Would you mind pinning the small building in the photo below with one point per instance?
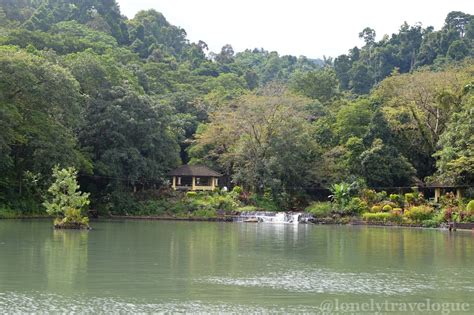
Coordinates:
(194, 178)
(439, 189)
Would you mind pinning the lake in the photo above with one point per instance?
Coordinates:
(152, 266)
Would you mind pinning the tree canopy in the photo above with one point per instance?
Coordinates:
(124, 101)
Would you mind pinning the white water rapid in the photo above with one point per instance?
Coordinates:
(274, 217)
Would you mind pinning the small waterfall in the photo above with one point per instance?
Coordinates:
(274, 217)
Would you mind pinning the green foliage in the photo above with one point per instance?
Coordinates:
(449, 200)
(121, 203)
(7, 213)
(121, 100)
(72, 218)
(456, 154)
(266, 203)
(376, 209)
(191, 194)
(264, 141)
(353, 119)
(154, 207)
(205, 213)
(410, 198)
(320, 84)
(387, 208)
(67, 202)
(65, 193)
(247, 209)
(237, 190)
(356, 206)
(384, 166)
(397, 199)
(369, 196)
(430, 223)
(341, 194)
(320, 209)
(412, 47)
(419, 213)
(380, 217)
(39, 110)
(470, 207)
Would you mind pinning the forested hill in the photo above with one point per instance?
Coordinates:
(126, 100)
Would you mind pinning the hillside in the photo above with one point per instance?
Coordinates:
(127, 100)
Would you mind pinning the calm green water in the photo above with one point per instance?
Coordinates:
(138, 266)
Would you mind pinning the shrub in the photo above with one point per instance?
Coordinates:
(376, 217)
(448, 200)
(387, 208)
(381, 196)
(191, 194)
(154, 207)
(237, 190)
(470, 207)
(409, 198)
(7, 213)
(375, 209)
(396, 199)
(397, 214)
(397, 211)
(264, 202)
(223, 202)
(120, 203)
(356, 206)
(340, 194)
(369, 196)
(205, 213)
(180, 207)
(430, 223)
(419, 213)
(320, 209)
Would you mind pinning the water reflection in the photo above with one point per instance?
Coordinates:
(188, 266)
(66, 257)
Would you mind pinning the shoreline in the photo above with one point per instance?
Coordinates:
(232, 218)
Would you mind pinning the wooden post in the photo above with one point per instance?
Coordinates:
(437, 194)
(193, 187)
(458, 194)
(213, 183)
(174, 182)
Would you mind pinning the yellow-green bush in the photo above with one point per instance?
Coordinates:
(396, 199)
(381, 217)
(237, 190)
(191, 194)
(419, 213)
(387, 208)
(470, 207)
(376, 209)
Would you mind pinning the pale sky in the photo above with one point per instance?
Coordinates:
(296, 27)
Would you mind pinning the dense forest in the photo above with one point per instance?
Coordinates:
(124, 101)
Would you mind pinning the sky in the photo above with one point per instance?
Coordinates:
(297, 27)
